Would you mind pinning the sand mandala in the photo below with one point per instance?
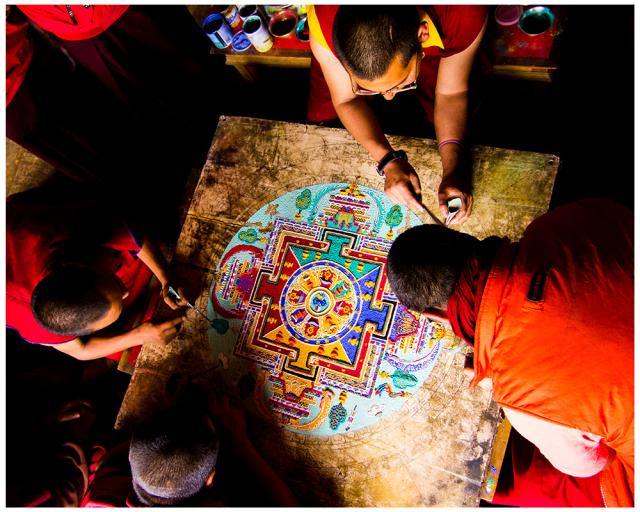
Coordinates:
(306, 326)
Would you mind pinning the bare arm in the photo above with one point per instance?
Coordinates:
(401, 181)
(152, 257)
(450, 120)
(100, 346)
(353, 111)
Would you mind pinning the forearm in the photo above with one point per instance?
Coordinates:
(98, 346)
(359, 120)
(450, 120)
(152, 257)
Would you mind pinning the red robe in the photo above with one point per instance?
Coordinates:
(19, 55)
(456, 25)
(74, 22)
(37, 224)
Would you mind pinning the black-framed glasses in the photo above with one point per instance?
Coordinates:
(361, 91)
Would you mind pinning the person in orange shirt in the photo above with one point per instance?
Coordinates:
(551, 321)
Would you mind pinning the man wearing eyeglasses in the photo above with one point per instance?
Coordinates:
(369, 50)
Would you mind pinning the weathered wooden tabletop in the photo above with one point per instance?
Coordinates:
(434, 450)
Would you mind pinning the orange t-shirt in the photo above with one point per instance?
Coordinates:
(555, 329)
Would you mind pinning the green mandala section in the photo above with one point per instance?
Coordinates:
(306, 326)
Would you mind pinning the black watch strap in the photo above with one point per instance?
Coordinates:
(388, 158)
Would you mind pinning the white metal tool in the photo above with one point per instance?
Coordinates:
(435, 219)
(453, 205)
(176, 296)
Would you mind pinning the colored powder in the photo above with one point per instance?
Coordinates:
(535, 24)
(213, 25)
(283, 27)
(251, 26)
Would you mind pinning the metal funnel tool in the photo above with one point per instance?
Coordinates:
(176, 296)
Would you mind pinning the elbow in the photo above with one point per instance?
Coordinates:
(80, 353)
(584, 467)
(578, 472)
(82, 356)
(452, 95)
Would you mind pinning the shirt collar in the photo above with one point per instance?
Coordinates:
(434, 38)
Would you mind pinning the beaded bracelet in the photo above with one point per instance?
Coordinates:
(450, 141)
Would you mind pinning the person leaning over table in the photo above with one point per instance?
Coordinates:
(190, 455)
(154, 60)
(550, 318)
(368, 50)
(76, 268)
(47, 114)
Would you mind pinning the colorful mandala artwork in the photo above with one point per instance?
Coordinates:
(306, 326)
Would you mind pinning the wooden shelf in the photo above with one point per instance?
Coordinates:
(245, 62)
(538, 73)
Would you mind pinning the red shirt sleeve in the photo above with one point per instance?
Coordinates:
(326, 15)
(35, 226)
(19, 55)
(20, 318)
(458, 25)
(74, 22)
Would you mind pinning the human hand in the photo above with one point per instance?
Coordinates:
(74, 410)
(158, 334)
(402, 185)
(75, 419)
(452, 186)
(171, 299)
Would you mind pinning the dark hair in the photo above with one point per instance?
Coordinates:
(424, 263)
(69, 299)
(172, 455)
(368, 37)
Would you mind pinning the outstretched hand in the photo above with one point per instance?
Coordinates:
(402, 184)
(160, 334)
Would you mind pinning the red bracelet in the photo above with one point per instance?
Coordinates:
(450, 141)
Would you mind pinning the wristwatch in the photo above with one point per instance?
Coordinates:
(388, 158)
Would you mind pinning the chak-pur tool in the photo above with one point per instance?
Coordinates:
(453, 205)
(435, 219)
(176, 296)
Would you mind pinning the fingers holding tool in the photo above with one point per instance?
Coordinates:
(173, 297)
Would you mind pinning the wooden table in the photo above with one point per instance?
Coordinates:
(434, 451)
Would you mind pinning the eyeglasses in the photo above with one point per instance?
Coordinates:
(360, 91)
